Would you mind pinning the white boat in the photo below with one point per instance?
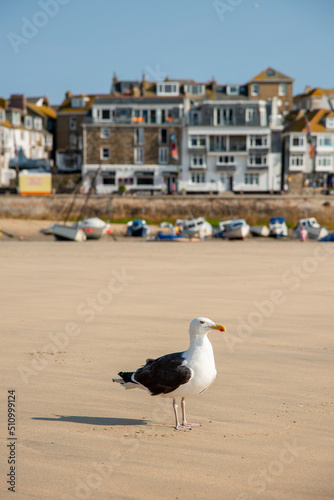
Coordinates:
(94, 227)
(259, 231)
(68, 233)
(236, 229)
(278, 227)
(313, 228)
(193, 227)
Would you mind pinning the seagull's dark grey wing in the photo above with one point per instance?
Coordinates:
(164, 374)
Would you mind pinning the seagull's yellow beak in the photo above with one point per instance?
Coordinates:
(221, 328)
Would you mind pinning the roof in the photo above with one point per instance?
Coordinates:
(154, 99)
(271, 75)
(316, 121)
(65, 106)
(316, 92)
(44, 111)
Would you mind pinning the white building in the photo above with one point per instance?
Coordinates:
(229, 146)
(309, 148)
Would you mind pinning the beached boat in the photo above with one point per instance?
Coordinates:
(236, 229)
(94, 228)
(259, 231)
(68, 233)
(278, 227)
(193, 227)
(313, 228)
(329, 237)
(137, 227)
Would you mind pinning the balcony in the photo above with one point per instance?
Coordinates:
(226, 167)
(196, 168)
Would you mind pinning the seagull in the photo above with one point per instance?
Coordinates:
(180, 374)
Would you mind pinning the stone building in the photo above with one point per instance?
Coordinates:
(133, 142)
(70, 116)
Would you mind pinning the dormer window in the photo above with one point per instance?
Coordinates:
(232, 89)
(2, 115)
(330, 123)
(195, 89)
(168, 88)
(270, 72)
(78, 102)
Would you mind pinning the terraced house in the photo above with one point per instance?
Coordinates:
(309, 148)
(180, 135)
(134, 141)
(26, 135)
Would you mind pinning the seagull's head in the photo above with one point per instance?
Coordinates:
(202, 326)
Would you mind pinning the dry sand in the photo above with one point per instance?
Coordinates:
(267, 421)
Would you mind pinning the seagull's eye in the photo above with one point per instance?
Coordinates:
(202, 322)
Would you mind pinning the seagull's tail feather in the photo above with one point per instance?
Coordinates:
(126, 380)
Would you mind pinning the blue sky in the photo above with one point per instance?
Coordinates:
(77, 44)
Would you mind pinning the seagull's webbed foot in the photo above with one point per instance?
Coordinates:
(184, 425)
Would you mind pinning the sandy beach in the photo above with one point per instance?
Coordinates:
(73, 315)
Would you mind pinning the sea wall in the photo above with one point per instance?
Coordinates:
(255, 209)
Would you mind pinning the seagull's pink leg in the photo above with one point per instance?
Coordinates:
(185, 424)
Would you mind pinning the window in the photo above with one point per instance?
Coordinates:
(232, 90)
(108, 179)
(153, 116)
(163, 156)
(73, 141)
(139, 136)
(198, 178)
(251, 179)
(166, 115)
(325, 141)
(255, 89)
(73, 122)
(105, 114)
(296, 160)
(197, 161)
(125, 181)
(258, 141)
(195, 118)
(105, 153)
(139, 155)
(324, 161)
(105, 133)
(282, 89)
(28, 122)
(330, 123)
(195, 89)
(224, 116)
(217, 143)
(250, 115)
(297, 141)
(197, 141)
(257, 160)
(163, 136)
(16, 118)
(169, 88)
(225, 159)
(2, 115)
(78, 102)
(38, 123)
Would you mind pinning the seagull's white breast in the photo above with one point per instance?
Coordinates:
(199, 358)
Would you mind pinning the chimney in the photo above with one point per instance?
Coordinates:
(307, 89)
(68, 94)
(213, 84)
(18, 101)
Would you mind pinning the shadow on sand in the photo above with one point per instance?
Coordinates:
(94, 420)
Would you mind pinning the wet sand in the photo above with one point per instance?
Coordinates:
(73, 315)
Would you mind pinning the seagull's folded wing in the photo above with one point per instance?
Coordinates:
(164, 374)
